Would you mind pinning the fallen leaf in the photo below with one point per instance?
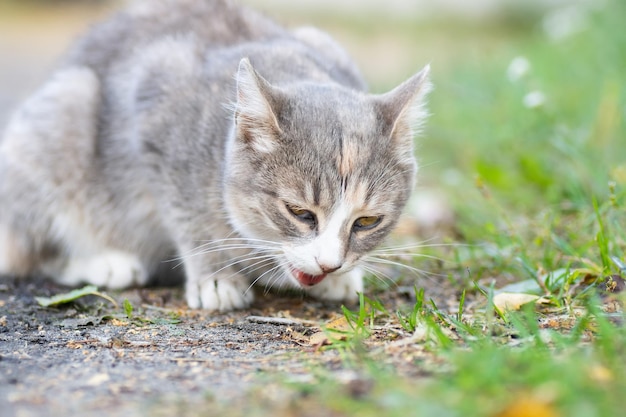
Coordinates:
(298, 337)
(73, 295)
(73, 344)
(118, 322)
(340, 323)
(319, 339)
(336, 327)
(528, 407)
(614, 284)
(509, 301)
(600, 374)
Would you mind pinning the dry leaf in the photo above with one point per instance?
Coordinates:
(299, 337)
(319, 339)
(527, 406)
(508, 301)
(614, 284)
(340, 323)
(601, 374)
(73, 344)
(118, 322)
(322, 338)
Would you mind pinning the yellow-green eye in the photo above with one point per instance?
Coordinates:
(296, 211)
(367, 222)
(302, 214)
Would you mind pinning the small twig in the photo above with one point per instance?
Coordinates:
(134, 343)
(279, 321)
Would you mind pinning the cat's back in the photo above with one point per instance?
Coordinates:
(214, 23)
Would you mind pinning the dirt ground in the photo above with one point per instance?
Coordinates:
(90, 358)
(82, 359)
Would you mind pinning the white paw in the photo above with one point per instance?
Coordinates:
(227, 294)
(112, 269)
(339, 288)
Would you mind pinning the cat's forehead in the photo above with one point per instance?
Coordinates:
(330, 107)
(342, 131)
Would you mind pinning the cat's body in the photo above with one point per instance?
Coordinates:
(201, 130)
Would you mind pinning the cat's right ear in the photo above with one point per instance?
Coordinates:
(255, 118)
(403, 108)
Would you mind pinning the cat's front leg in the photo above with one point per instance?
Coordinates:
(344, 287)
(212, 288)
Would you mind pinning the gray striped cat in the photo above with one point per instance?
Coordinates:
(201, 131)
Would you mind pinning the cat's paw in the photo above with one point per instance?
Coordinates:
(111, 269)
(339, 288)
(222, 295)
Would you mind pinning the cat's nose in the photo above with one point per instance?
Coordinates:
(327, 269)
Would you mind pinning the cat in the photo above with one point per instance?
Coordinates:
(202, 131)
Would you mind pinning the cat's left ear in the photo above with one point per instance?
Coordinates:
(403, 109)
(255, 116)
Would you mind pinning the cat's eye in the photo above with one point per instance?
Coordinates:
(302, 214)
(367, 222)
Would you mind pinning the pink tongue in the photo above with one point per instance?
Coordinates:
(306, 279)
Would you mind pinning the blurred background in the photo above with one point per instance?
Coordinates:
(526, 144)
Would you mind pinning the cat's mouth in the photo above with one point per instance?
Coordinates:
(305, 279)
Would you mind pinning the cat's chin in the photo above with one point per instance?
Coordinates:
(306, 280)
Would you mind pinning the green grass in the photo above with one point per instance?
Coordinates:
(555, 158)
(526, 367)
(543, 189)
(520, 365)
(526, 181)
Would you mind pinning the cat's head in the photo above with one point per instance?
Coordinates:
(320, 170)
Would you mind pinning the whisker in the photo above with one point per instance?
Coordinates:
(250, 269)
(275, 271)
(227, 242)
(376, 273)
(409, 255)
(421, 245)
(417, 271)
(239, 239)
(251, 249)
(223, 248)
(260, 260)
(277, 277)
